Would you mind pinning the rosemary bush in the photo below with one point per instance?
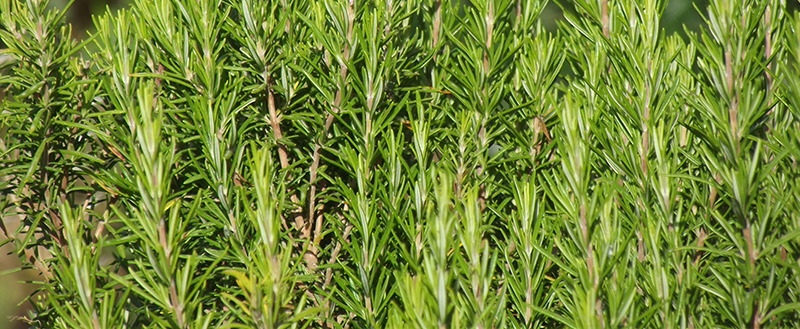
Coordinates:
(403, 164)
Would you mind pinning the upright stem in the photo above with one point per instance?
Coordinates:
(604, 13)
(306, 234)
(275, 122)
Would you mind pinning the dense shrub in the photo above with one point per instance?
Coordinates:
(404, 164)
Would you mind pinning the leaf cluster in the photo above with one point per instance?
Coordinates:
(403, 164)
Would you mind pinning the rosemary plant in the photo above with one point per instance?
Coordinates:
(403, 164)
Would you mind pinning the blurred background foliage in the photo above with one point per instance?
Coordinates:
(679, 13)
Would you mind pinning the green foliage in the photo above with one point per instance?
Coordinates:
(403, 164)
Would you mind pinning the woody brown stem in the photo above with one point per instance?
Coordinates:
(328, 123)
(311, 255)
(283, 157)
(276, 128)
(701, 241)
(604, 10)
(335, 254)
(437, 22)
